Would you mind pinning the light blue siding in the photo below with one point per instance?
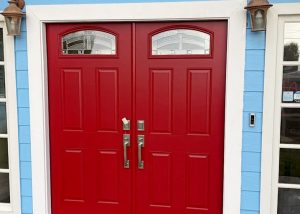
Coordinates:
(20, 43)
(249, 212)
(254, 81)
(251, 141)
(25, 153)
(24, 134)
(255, 59)
(22, 79)
(23, 97)
(26, 205)
(26, 187)
(255, 41)
(251, 181)
(25, 169)
(250, 201)
(253, 102)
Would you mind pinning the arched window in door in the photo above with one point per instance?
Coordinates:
(181, 42)
(86, 42)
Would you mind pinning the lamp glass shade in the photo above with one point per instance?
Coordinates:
(13, 24)
(259, 20)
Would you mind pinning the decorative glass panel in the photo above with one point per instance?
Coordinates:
(3, 123)
(2, 82)
(3, 154)
(291, 42)
(89, 42)
(288, 201)
(290, 126)
(4, 190)
(291, 84)
(1, 45)
(289, 167)
(181, 42)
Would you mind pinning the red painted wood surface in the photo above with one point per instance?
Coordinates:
(88, 96)
(181, 99)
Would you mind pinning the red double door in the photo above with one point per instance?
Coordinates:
(175, 165)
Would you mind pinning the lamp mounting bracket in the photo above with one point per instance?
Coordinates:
(20, 4)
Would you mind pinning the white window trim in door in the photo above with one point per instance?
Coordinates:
(277, 16)
(39, 15)
(14, 207)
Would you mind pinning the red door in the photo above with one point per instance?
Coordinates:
(168, 76)
(181, 99)
(88, 96)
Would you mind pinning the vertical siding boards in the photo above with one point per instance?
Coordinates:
(253, 102)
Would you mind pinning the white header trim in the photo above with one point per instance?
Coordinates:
(37, 16)
(268, 202)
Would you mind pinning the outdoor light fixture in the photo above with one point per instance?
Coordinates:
(258, 11)
(13, 16)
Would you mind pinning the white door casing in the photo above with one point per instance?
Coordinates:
(37, 17)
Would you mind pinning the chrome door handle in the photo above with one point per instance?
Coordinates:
(126, 144)
(141, 143)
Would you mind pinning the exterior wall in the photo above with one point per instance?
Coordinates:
(253, 102)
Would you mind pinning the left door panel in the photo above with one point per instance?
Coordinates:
(89, 77)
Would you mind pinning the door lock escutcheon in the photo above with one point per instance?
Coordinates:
(140, 125)
(126, 124)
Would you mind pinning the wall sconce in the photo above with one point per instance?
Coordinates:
(13, 16)
(258, 11)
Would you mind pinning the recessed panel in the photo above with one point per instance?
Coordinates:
(199, 89)
(160, 180)
(161, 100)
(197, 182)
(73, 175)
(107, 177)
(107, 102)
(72, 99)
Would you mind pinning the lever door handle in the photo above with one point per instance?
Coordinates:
(141, 144)
(126, 144)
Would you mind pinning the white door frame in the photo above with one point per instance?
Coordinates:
(277, 15)
(39, 15)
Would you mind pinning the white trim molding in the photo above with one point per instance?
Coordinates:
(39, 15)
(277, 15)
(12, 125)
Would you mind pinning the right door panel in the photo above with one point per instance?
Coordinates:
(180, 94)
